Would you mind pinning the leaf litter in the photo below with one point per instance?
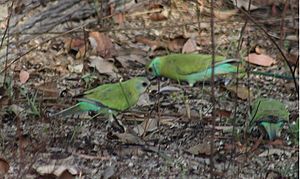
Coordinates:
(161, 125)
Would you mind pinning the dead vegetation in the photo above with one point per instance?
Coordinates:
(52, 51)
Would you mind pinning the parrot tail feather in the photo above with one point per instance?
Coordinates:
(220, 69)
(272, 129)
(78, 108)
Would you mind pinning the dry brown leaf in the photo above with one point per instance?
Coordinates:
(77, 44)
(73, 44)
(184, 7)
(141, 53)
(119, 18)
(200, 149)
(273, 151)
(62, 70)
(49, 89)
(176, 44)
(169, 89)
(112, 8)
(66, 175)
(3, 16)
(259, 50)
(159, 14)
(153, 6)
(3, 24)
(102, 44)
(262, 59)
(244, 4)
(76, 68)
(129, 138)
(224, 129)
(237, 146)
(292, 37)
(277, 142)
(81, 52)
(4, 101)
(126, 61)
(144, 100)
(147, 125)
(23, 76)
(58, 170)
(103, 66)
(153, 44)
(242, 92)
(4, 12)
(157, 17)
(290, 85)
(292, 56)
(17, 109)
(223, 113)
(123, 6)
(189, 46)
(223, 15)
(24, 141)
(4, 166)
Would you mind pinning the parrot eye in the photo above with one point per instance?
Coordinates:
(150, 69)
(145, 84)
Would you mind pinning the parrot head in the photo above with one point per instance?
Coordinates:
(142, 84)
(153, 67)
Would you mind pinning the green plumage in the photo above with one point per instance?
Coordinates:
(109, 98)
(189, 67)
(272, 129)
(270, 114)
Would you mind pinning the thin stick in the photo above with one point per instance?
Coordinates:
(282, 23)
(212, 89)
(6, 33)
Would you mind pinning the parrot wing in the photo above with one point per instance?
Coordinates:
(119, 96)
(185, 64)
(263, 107)
(110, 95)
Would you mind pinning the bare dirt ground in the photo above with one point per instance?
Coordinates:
(55, 50)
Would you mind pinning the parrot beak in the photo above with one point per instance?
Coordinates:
(149, 72)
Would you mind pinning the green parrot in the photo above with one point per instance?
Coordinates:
(270, 114)
(109, 98)
(195, 67)
(189, 67)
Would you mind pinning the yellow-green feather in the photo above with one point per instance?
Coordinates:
(269, 113)
(118, 96)
(189, 67)
(185, 64)
(110, 98)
